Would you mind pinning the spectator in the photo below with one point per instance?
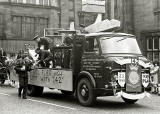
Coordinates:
(3, 56)
(22, 67)
(154, 76)
(20, 53)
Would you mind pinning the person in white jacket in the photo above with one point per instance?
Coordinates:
(154, 76)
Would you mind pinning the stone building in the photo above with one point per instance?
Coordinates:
(141, 18)
(21, 20)
(147, 27)
(121, 10)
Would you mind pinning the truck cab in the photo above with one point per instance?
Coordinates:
(115, 65)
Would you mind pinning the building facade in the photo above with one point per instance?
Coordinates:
(21, 20)
(141, 18)
(121, 10)
(147, 27)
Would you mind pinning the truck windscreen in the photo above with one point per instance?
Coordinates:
(120, 45)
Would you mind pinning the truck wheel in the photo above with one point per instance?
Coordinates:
(34, 90)
(85, 92)
(66, 92)
(39, 90)
(129, 101)
(2, 81)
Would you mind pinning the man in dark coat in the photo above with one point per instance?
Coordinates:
(43, 42)
(22, 67)
(3, 56)
(44, 58)
(20, 53)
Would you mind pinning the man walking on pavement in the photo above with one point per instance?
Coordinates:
(22, 67)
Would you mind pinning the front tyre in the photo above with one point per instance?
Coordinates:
(2, 81)
(85, 92)
(129, 101)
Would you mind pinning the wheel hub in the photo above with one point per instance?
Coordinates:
(83, 92)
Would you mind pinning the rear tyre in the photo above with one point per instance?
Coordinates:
(129, 101)
(34, 90)
(85, 92)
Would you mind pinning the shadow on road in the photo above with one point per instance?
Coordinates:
(116, 105)
(110, 103)
(54, 96)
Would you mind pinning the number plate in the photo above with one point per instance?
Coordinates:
(145, 79)
(121, 78)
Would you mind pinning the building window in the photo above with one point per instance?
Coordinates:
(15, 1)
(28, 27)
(155, 56)
(20, 1)
(40, 24)
(38, 2)
(153, 47)
(41, 2)
(156, 43)
(17, 22)
(31, 1)
(1, 26)
(54, 3)
(71, 5)
(149, 44)
(46, 2)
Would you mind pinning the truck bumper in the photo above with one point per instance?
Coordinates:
(133, 96)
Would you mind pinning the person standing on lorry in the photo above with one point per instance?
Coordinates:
(154, 75)
(45, 57)
(42, 42)
(23, 65)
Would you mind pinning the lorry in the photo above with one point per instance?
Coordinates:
(94, 65)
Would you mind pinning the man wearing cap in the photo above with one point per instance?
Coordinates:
(22, 67)
(43, 42)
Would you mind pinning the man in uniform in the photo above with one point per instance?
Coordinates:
(44, 58)
(22, 67)
(43, 42)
